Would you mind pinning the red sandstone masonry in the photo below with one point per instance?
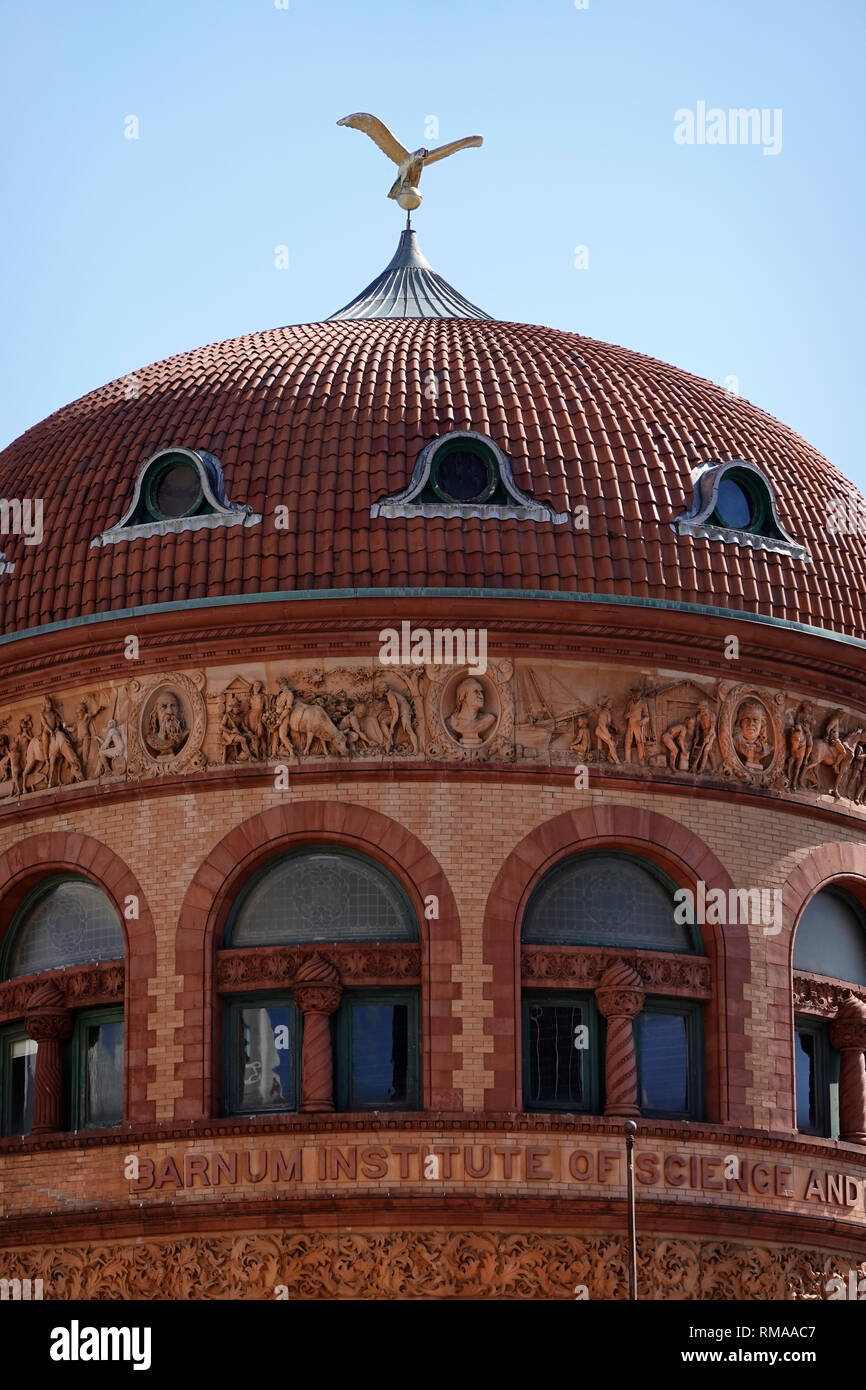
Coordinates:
(476, 831)
(42, 854)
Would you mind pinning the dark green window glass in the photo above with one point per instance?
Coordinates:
(669, 1046)
(561, 1064)
(94, 1070)
(808, 1117)
(816, 1072)
(378, 1050)
(19, 1074)
(262, 1056)
(103, 1073)
(664, 1062)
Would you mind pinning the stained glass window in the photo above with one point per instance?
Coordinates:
(606, 900)
(70, 922)
(321, 895)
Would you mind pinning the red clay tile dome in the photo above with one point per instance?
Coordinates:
(329, 418)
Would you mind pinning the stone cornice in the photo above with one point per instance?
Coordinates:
(495, 1210)
(38, 805)
(433, 1123)
(664, 637)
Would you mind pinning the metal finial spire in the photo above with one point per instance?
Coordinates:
(409, 164)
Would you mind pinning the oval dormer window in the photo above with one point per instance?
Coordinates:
(178, 489)
(734, 502)
(464, 471)
(733, 505)
(173, 489)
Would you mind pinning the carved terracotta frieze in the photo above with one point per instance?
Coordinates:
(345, 712)
(427, 1264)
(81, 986)
(582, 967)
(817, 994)
(279, 966)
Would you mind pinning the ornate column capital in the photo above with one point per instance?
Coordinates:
(848, 1028)
(317, 986)
(48, 1017)
(620, 992)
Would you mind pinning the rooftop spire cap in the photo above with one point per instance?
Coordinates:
(409, 288)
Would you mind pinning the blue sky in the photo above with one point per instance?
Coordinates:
(719, 258)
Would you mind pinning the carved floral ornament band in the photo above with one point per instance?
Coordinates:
(355, 711)
(428, 1264)
(80, 986)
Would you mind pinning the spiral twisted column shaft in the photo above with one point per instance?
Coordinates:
(620, 996)
(317, 993)
(48, 1022)
(848, 1034)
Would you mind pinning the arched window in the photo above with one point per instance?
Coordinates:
(343, 1037)
(600, 913)
(61, 924)
(830, 944)
(322, 896)
(607, 900)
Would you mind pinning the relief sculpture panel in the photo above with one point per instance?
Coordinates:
(359, 712)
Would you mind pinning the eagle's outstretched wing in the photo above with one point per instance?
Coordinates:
(444, 150)
(379, 133)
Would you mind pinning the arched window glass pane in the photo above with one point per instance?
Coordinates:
(72, 923)
(831, 939)
(605, 900)
(322, 896)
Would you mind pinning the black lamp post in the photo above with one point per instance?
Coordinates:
(630, 1132)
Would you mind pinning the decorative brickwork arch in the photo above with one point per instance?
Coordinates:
(25, 864)
(687, 860)
(842, 863)
(232, 863)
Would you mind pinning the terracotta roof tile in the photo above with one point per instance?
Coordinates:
(325, 418)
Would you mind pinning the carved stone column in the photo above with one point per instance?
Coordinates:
(620, 994)
(848, 1034)
(48, 1022)
(317, 992)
